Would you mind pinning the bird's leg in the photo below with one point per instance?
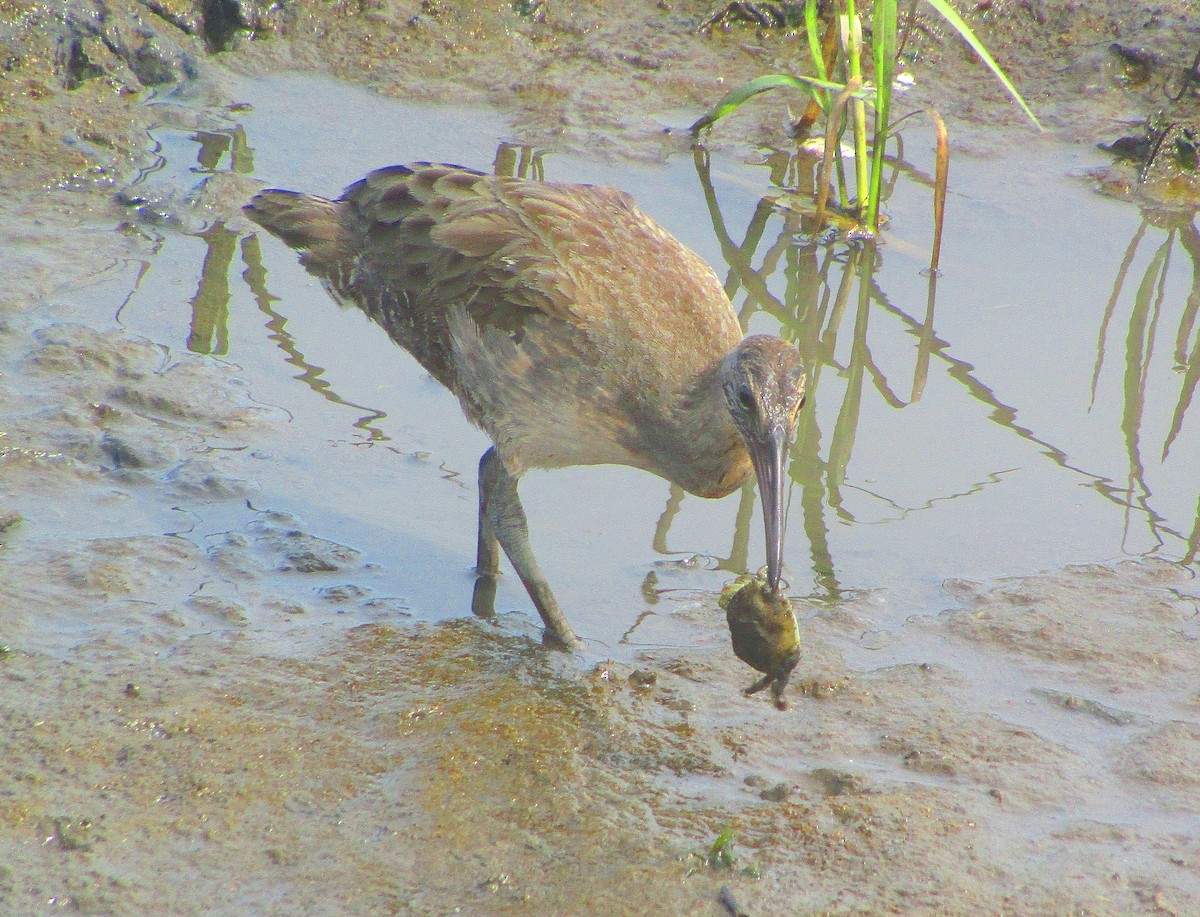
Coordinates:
(505, 516)
(487, 557)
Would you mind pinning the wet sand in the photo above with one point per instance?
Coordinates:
(176, 741)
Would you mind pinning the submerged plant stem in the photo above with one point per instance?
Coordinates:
(941, 180)
(831, 143)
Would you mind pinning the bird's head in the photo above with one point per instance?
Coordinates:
(764, 384)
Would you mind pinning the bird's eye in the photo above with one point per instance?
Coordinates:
(746, 398)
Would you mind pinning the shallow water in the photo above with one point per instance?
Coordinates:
(1040, 418)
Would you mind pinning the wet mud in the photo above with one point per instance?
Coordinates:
(247, 722)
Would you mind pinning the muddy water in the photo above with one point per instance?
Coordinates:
(237, 604)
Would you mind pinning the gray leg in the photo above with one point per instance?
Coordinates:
(487, 557)
(500, 506)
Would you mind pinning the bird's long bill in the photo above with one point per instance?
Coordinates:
(769, 457)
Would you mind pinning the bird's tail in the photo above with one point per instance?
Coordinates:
(305, 222)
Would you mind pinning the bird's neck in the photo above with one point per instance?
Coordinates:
(704, 452)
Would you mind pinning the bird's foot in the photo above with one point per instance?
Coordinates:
(555, 640)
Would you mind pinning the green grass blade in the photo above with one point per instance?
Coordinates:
(813, 27)
(951, 16)
(739, 96)
(852, 35)
(884, 48)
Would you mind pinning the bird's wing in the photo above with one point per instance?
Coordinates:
(507, 248)
(407, 244)
(410, 244)
(440, 235)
